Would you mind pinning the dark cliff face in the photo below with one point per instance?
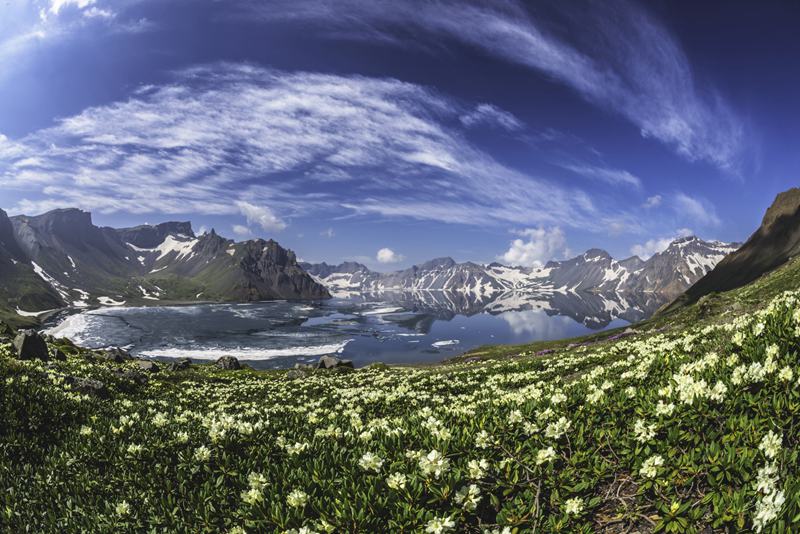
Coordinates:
(271, 271)
(773, 244)
(9, 248)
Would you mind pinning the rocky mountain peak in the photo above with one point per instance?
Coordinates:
(437, 263)
(786, 204)
(151, 236)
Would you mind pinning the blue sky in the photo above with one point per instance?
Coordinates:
(391, 132)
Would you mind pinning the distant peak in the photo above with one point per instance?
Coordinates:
(596, 253)
(437, 263)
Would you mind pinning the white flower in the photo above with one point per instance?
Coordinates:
(771, 444)
(370, 462)
(202, 454)
(160, 419)
(767, 478)
(650, 466)
(515, 417)
(643, 432)
(573, 506)
(135, 449)
(252, 496)
(558, 428)
(772, 351)
(396, 481)
(477, 468)
(123, 508)
(767, 509)
(440, 525)
(664, 409)
(483, 440)
(786, 374)
(257, 481)
(86, 431)
(545, 455)
(434, 464)
(469, 497)
(297, 498)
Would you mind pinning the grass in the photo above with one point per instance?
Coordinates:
(687, 425)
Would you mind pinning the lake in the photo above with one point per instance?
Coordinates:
(418, 327)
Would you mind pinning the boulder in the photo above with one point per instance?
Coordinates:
(331, 362)
(148, 366)
(115, 354)
(87, 385)
(229, 363)
(133, 376)
(30, 346)
(59, 355)
(181, 364)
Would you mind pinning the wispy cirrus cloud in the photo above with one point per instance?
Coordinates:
(237, 138)
(493, 116)
(613, 54)
(605, 174)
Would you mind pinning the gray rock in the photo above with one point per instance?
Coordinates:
(180, 364)
(133, 376)
(229, 363)
(87, 385)
(30, 346)
(116, 354)
(148, 366)
(59, 355)
(331, 362)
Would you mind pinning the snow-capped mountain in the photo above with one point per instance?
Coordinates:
(669, 272)
(61, 259)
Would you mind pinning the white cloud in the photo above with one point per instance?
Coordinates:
(652, 202)
(607, 175)
(542, 245)
(229, 138)
(491, 115)
(329, 233)
(387, 255)
(695, 210)
(613, 54)
(260, 215)
(654, 246)
(241, 230)
(57, 5)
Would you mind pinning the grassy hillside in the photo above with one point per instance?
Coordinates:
(689, 424)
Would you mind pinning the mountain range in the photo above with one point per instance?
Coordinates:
(668, 273)
(61, 259)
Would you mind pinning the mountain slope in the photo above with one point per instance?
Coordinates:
(60, 258)
(669, 272)
(774, 243)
